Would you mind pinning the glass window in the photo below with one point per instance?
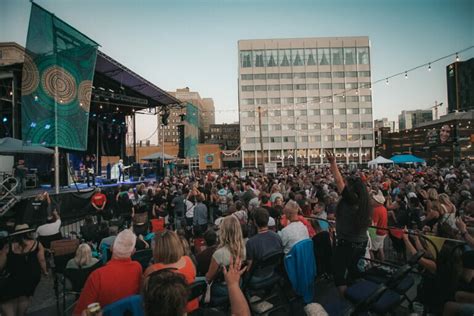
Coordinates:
(351, 74)
(246, 59)
(325, 86)
(338, 74)
(274, 127)
(340, 137)
(274, 113)
(315, 126)
(289, 139)
(275, 139)
(352, 85)
(352, 98)
(273, 76)
(327, 125)
(264, 128)
(324, 75)
(261, 101)
(259, 76)
(246, 77)
(364, 73)
(288, 127)
(327, 112)
(247, 102)
(286, 76)
(352, 111)
(366, 125)
(336, 54)
(313, 100)
(315, 112)
(312, 75)
(338, 86)
(364, 85)
(315, 138)
(288, 113)
(298, 57)
(310, 57)
(273, 87)
(339, 111)
(275, 101)
(300, 87)
(284, 57)
(366, 111)
(324, 58)
(353, 137)
(271, 57)
(340, 125)
(258, 58)
(328, 138)
(303, 138)
(367, 136)
(365, 98)
(353, 125)
(301, 113)
(349, 56)
(287, 87)
(363, 55)
(301, 100)
(288, 100)
(247, 114)
(247, 88)
(312, 86)
(299, 75)
(261, 88)
(339, 98)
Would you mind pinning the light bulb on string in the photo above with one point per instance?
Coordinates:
(386, 81)
(406, 75)
(429, 67)
(457, 56)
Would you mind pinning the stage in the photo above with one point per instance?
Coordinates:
(72, 202)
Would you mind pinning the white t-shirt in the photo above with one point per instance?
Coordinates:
(49, 229)
(189, 209)
(291, 234)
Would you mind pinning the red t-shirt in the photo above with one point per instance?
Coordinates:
(99, 199)
(379, 218)
(118, 279)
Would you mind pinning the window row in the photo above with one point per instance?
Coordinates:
(308, 126)
(308, 86)
(304, 75)
(302, 57)
(300, 100)
(312, 138)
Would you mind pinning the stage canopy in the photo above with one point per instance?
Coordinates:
(406, 159)
(380, 161)
(156, 156)
(10, 145)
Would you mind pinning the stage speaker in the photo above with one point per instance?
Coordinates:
(107, 181)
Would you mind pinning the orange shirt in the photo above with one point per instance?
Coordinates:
(189, 273)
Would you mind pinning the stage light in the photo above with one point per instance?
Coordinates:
(33, 124)
(47, 126)
(101, 107)
(117, 108)
(101, 88)
(11, 92)
(60, 101)
(5, 120)
(36, 98)
(111, 90)
(80, 104)
(94, 115)
(113, 120)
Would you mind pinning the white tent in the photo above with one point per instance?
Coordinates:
(379, 161)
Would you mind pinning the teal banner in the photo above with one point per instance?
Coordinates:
(191, 131)
(56, 82)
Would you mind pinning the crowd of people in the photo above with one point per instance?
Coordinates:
(208, 225)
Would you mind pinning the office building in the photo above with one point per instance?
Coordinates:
(411, 119)
(313, 94)
(460, 81)
(225, 135)
(384, 122)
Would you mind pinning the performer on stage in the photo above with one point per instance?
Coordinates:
(90, 174)
(121, 170)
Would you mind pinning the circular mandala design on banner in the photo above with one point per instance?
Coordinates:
(59, 84)
(84, 94)
(30, 76)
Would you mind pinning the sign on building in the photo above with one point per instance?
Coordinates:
(270, 167)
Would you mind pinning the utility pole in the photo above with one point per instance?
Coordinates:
(260, 132)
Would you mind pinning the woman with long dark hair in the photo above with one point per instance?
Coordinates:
(353, 217)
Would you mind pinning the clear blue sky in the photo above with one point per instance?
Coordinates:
(194, 43)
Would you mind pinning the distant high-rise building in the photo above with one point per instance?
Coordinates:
(460, 80)
(208, 113)
(410, 119)
(313, 95)
(384, 122)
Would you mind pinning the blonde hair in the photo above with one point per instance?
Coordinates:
(83, 255)
(433, 194)
(168, 247)
(444, 199)
(230, 236)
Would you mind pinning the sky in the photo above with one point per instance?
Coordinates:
(193, 43)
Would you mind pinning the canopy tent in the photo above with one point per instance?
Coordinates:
(10, 145)
(406, 159)
(157, 156)
(379, 161)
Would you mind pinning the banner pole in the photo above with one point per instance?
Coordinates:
(56, 169)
